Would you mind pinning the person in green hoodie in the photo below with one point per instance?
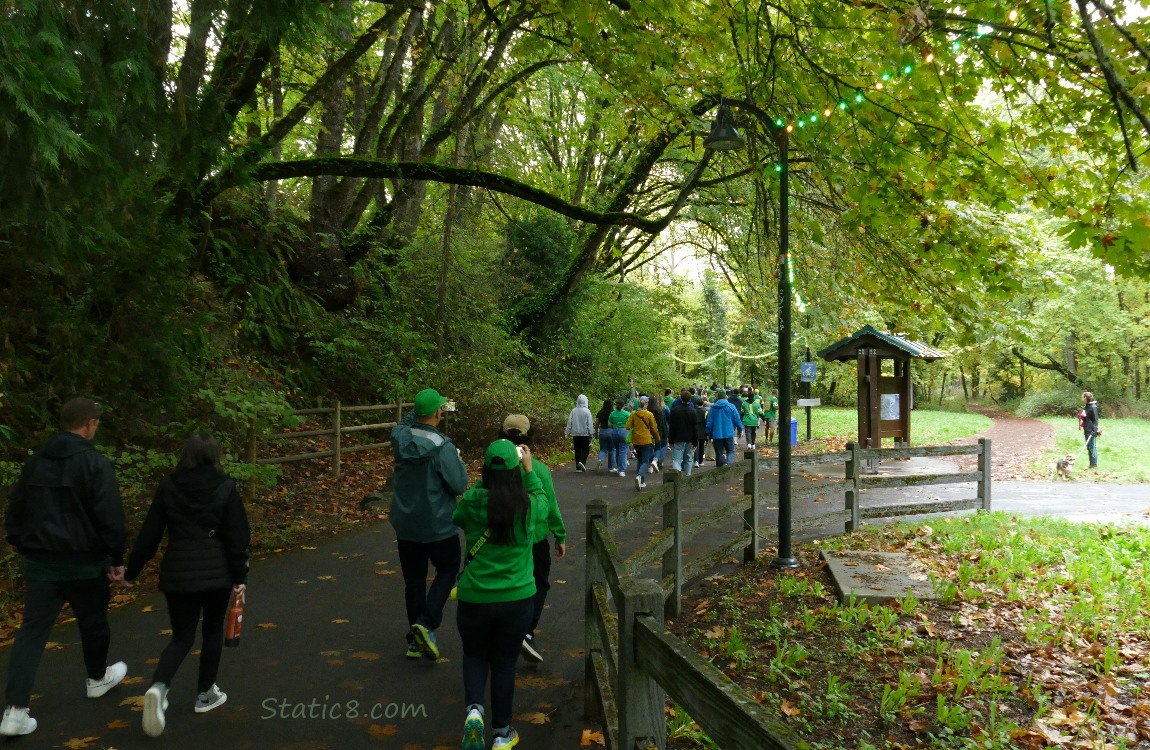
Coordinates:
(429, 475)
(752, 413)
(497, 588)
(517, 429)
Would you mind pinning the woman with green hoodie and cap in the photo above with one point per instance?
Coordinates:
(497, 587)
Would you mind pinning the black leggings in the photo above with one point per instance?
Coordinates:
(582, 448)
(184, 608)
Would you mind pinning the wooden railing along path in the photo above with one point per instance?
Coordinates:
(336, 431)
(633, 663)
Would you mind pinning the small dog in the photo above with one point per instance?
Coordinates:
(1063, 466)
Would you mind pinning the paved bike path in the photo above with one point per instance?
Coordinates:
(321, 663)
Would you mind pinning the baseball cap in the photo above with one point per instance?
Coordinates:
(427, 402)
(501, 455)
(517, 424)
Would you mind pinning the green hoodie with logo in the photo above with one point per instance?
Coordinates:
(499, 572)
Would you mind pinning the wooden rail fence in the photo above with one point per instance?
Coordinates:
(632, 663)
(337, 431)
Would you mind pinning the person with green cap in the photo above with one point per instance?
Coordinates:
(497, 588)
(517, 429)
(429, 476)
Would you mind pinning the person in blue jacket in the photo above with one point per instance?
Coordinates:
(724, 424)
(429, 476)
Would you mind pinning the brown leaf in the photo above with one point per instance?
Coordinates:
(375, 730)
(537, 717)
(341, 622)
(117, 724)
(592, 738)
(267, 625)
(79, 743)
(365, 655)
(149, 608)
(790, 709)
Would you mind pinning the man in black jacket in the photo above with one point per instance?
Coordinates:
(681, 434)
(65, 519)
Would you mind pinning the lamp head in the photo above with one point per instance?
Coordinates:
(724, 136)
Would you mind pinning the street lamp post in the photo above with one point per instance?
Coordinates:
(785, 559)
(725, 137)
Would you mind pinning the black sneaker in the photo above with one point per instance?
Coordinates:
(530, 653)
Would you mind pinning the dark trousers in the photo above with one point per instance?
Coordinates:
(491, 635)
(425, 604)
(184, 610)
(700, 450)
(582, 448)
(724, 448)
(541, 556)
(751, 433)
(43, 601)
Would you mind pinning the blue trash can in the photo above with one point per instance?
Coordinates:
(794, 431)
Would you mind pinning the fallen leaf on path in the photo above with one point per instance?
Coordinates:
(790, 709)
(385, 572)
(592, 738)
(267, 625)
(149, 608)
(538, 717)
(341, 622)
(136, 702)
(117, 724)
(375, 730)
(365, 655)
(134, 680)
(78, 743)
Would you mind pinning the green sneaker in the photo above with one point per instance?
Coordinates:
(413, 651)
(424, 639)
(511, 739)
(473, 731)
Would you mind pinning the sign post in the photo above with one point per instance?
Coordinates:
(807, 372)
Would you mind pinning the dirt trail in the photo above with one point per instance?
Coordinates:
(1015, 444)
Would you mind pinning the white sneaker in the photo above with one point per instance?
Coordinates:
(579, 466)
(529, 650)
(213, 697)
(639, 483)
(17, 722)
(155, 703)
(113, 675)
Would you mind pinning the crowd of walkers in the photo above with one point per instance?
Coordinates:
(699, 424)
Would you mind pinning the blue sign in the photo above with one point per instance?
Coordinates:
(808, 372)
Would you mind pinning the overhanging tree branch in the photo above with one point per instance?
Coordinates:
(409, 170)
(1051, 365)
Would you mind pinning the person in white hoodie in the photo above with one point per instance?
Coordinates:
(580, 428)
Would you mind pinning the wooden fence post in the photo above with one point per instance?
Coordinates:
(852, 493)
(673, 558)
(641, 700)
(335, 438)
(399, 410)
(751, 514)
(984, 469)
(596, 510)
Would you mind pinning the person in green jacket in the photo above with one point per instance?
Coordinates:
(618, 421)
(772, 415)
(752, 413)
(517, 429)
(497, 587)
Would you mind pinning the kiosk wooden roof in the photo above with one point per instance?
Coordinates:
(889, 346)
(885, 400)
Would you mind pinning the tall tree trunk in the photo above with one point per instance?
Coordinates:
(965, 393)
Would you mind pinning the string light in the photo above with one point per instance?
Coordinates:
(981, 30)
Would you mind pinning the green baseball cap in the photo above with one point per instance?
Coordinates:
(427, 402)
(501, 455)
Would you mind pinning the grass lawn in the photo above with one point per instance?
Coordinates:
(1121, 448)
(927, 427)
(1037, 639)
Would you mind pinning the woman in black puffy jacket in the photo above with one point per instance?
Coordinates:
(205, 561)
